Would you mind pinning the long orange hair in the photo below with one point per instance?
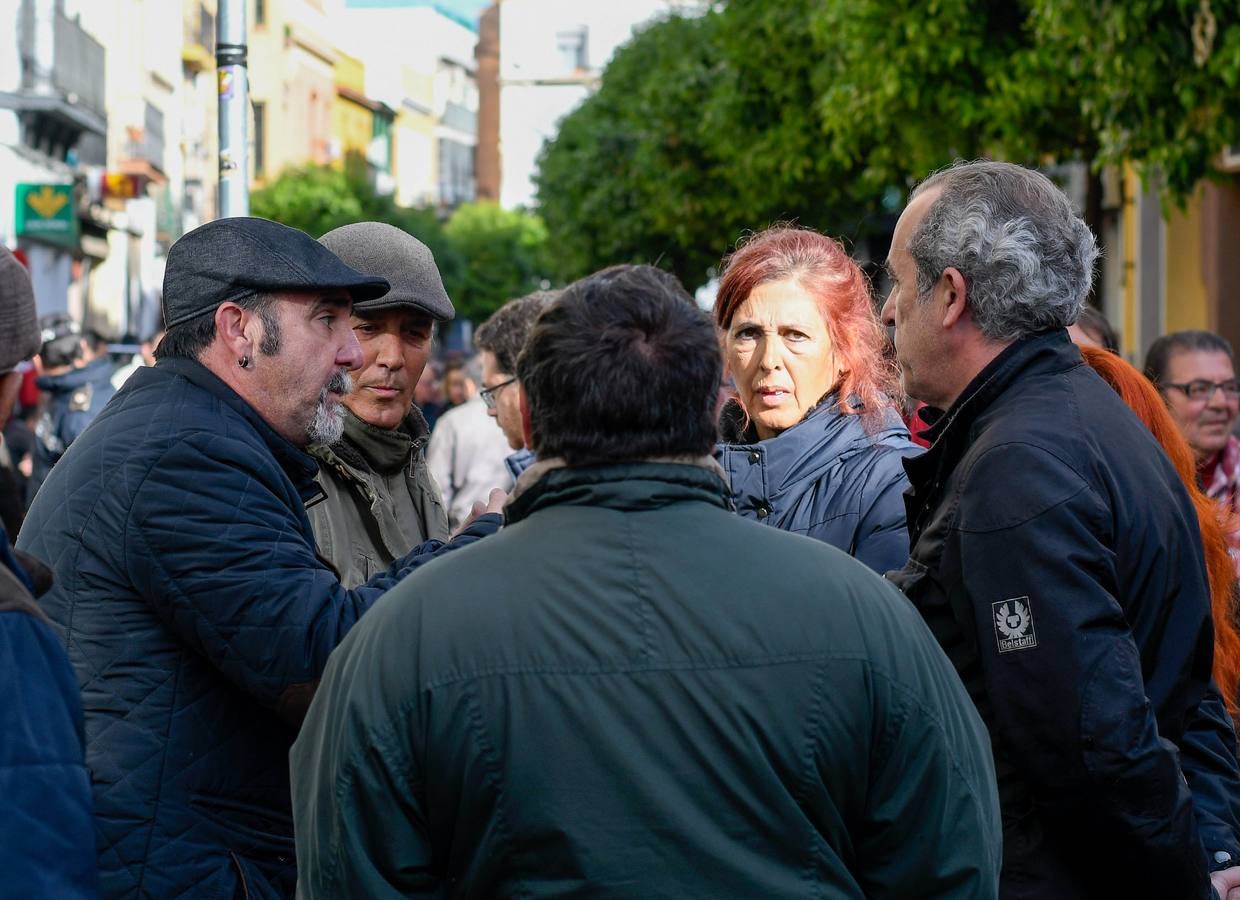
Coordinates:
(1144, 400)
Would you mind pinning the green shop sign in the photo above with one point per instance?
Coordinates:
(45, 212)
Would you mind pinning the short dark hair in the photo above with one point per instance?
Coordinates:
(1158, 358)
(190, 338)
(1092, 321)
(505, 332)
(62, 340)
(622, 366)
(96, 341)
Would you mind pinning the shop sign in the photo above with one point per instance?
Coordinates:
(46, 212)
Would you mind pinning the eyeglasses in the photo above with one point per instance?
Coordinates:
(488, 394)
(1200, 389)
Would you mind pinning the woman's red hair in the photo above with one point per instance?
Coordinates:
(1144, 400)
(824, 269)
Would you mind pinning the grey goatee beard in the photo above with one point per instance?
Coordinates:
(327, 427)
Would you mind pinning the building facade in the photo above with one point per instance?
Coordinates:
(292, 71)
(53, 132)
(419, 61)
(551, 56)
(1179, 266)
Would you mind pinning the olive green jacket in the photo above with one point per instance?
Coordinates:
(381, 500)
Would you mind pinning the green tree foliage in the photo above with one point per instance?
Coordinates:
(623, 181)
(486, 255)
(1161, 78)
(826, 111)
(317, 199)
(503, 253)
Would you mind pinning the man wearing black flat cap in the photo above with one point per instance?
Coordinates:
(381, 499)
(188, 591)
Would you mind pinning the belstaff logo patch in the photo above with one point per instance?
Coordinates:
(1014, 624)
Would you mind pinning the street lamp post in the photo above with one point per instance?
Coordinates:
(234, 99)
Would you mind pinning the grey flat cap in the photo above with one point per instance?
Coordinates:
(19, 324)
(409, 266)
(230, 258)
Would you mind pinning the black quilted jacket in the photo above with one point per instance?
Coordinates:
(198, 617)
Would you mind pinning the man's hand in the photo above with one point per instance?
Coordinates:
(495, 504)
(1226, 883)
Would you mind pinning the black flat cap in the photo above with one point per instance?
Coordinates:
(231, 258)
(381, 249)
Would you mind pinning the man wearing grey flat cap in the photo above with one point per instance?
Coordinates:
(197, 612)
(381, 499)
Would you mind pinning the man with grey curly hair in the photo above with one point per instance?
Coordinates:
(1055, 554)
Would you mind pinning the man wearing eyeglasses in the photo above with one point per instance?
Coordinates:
(1196, 373)
(500, 340)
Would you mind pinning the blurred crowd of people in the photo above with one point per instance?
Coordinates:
(928, 595)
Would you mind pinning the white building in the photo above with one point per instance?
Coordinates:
(551, 55)
(52, 128)
(144, 96)
(419, 60)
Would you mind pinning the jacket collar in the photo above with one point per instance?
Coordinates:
(299, 465)
(952, 432)
(736, 428)
(817, 440)
(629, 487)
(384, 450)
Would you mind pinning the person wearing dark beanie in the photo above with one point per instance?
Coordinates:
(47, 834)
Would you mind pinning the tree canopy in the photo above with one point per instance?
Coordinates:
(486, 256)
(827, 111)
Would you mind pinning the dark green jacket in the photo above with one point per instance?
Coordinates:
(380, 498)
(632, 692)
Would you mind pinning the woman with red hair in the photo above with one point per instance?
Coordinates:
(812, 443)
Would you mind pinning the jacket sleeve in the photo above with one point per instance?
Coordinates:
(225, 560)
(1208, 758)
(1061, 669)
(881, 541)
(47, 829)
(357, 782)
(932, 825)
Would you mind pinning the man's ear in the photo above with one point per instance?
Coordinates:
(231, 323)
(527, 433)
(954, 292)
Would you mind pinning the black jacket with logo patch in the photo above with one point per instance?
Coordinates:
(1057, 558)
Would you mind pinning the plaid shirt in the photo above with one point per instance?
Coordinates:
(1224, 486)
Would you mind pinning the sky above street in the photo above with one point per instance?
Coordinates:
(467, 8)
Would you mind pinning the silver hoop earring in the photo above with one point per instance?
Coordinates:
(244, 362)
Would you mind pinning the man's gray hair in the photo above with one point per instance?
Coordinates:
(1026, 257)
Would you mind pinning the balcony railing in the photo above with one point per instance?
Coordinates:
(77, 69)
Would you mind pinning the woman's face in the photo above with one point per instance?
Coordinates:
(780, 355)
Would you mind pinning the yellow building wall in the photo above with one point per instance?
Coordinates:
(292, 69)
(352, 123)
(1187, 300)
(351, 73)
(413, 151)
(1128, 326)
